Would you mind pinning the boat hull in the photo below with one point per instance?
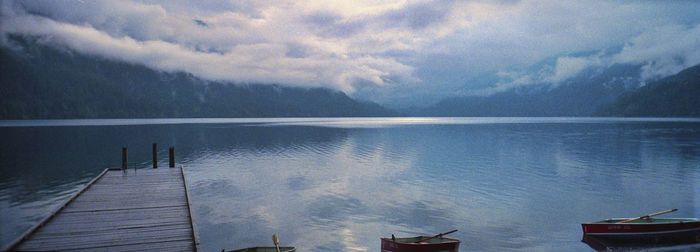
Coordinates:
(265, 249)
(404, 245)
(610, 233)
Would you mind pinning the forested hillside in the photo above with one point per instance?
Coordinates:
(579, 96)
(674, 96)
(42, 81)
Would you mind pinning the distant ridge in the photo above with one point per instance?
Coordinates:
(674, 96)
(39, 81)
(579, 96)
(614, 91)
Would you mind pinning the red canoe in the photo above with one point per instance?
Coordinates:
(641, 231)
(421, 244)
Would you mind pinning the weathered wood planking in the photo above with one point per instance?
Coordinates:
(140, 210)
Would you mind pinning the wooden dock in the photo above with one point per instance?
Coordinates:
(132, 210)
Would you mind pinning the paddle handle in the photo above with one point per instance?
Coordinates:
(649, 215)
(437, 235)
(276, 240)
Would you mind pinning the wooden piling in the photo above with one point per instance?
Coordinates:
(124, 158)
(155, 155)
(172, 157)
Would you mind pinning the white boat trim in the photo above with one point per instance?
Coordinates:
(680, 220)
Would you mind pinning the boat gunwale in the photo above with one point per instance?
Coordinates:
(676, 221)
(451, 240)
(282, 248)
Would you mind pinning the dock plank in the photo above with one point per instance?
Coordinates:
(112, 224)
(77, 229)
(146, 210)
(184, 245)
(136, 235)
(125, 214)
(62, 245)
(127, 201)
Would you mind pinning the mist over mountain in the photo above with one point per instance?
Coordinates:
(674, 96)
(577, 96)
(399, 54)
(45, 81)
(617, 90)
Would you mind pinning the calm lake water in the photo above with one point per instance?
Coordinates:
(338, 184)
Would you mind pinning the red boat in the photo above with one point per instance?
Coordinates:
(640, 231)
(421, 244)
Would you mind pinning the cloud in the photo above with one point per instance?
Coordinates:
(381, 50)
(517, 37)
(663, 51)
(660, 52)
(568, 67)
(275, 46)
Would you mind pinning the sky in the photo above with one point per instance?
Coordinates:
(396, 53)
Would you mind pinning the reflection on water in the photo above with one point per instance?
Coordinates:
(340, 184)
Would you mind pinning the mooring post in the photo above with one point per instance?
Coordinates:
(172, 157)
(155, 155)
(124, 159)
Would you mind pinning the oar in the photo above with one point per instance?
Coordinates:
(276, 240)
(649, 215)
(435, 236)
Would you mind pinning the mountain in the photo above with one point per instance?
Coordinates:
(39, 81)
(674, 96)
(578, 96)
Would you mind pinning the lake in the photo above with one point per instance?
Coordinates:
(339, 184)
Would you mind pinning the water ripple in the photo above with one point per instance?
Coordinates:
(340, 184)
